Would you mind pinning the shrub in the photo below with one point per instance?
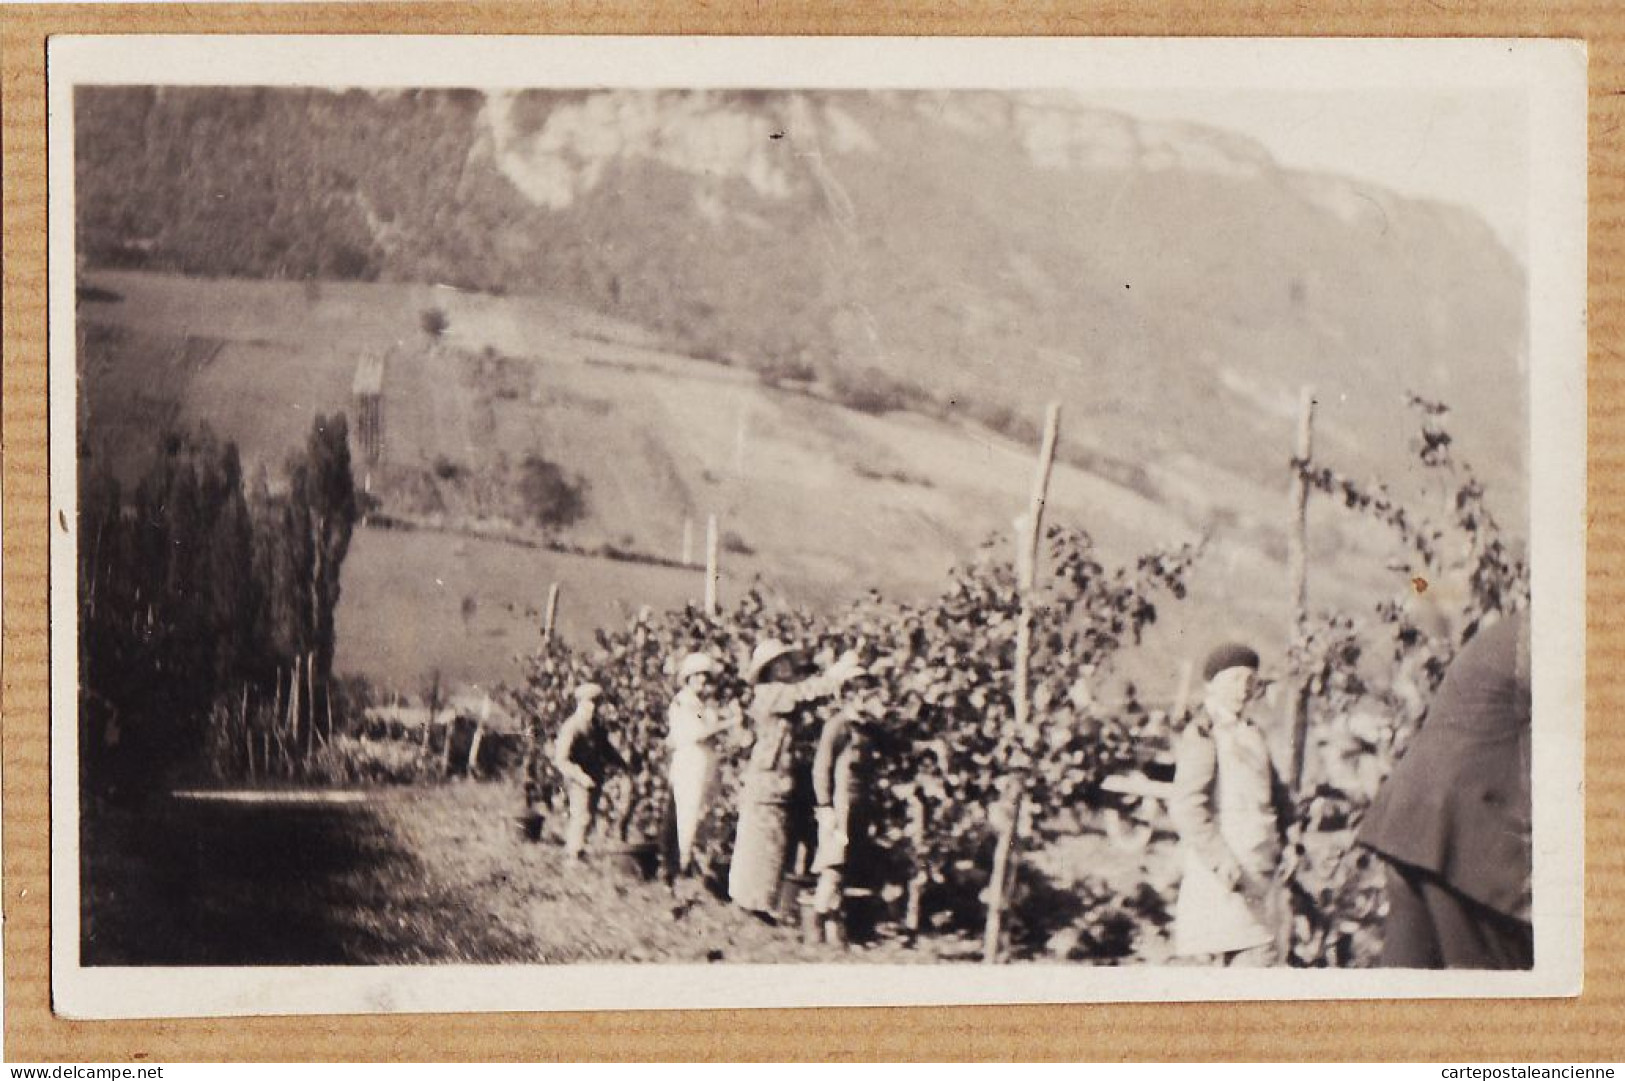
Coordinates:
(1002, 419)
(435, 322)
(870, 390)
(786, 370)
(346, 760)
(550, 497)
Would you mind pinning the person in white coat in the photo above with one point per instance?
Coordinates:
(1226, 804)
(694, 725)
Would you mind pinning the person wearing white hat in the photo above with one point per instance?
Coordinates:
(584, 755)
(770, 795)
(693, 725)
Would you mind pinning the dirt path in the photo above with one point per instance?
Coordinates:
(437, 876)
(443, 875)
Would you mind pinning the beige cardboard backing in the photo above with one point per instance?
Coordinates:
(1591, 1027)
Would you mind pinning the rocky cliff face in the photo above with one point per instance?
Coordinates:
(961, 251)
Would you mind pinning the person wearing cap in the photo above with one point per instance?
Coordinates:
(1452, 822)
(694, 723)
(840, 788)
(584, 755)
(1227, 806)
(773, 788)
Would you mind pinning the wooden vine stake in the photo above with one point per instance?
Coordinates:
(1298, 572)
(552, 612)
(1011, 803)
(248, 734)
(310, 703)
(711, 568)
(1297, 558)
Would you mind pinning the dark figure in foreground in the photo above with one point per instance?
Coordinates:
(1452, 821)
(842, 776)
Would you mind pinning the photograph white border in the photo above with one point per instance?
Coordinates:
(1551, 73)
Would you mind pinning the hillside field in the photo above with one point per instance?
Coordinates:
(817, 503)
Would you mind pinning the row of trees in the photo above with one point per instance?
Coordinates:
(198, 587)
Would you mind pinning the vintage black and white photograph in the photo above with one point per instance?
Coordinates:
(550, 525)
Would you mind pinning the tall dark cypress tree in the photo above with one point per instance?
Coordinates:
(324, 503)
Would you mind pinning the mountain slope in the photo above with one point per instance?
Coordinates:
(977, 245)
(1170, 283)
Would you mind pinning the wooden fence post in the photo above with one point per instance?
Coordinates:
(276, 701)
(242, 718)
(711, 565)
(552, 612)
(434, 707)
(248, 734)
(917, 879)
(445, 747)
(291, 743)
(1182, 696)
(310, 706)
(479, 735)
(1010, 812)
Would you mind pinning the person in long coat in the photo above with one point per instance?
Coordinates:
(1227, 806)
(1452, 821)
(694, 724)
(770, 792)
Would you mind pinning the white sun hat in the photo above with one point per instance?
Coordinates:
(765, 654)
(696, 664)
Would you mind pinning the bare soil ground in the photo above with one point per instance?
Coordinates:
(427, 876)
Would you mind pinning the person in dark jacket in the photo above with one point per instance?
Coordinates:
(1452, 821)
(842, 778)
(584, 756)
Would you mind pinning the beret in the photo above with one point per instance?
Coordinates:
(1229, 655)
